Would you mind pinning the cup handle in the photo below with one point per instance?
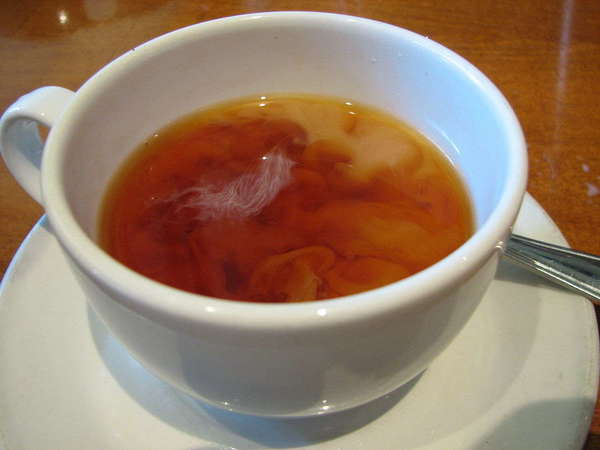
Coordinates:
(20, 142)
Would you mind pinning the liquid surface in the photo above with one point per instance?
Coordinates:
(284, 199)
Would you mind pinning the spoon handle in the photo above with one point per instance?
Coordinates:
(574, 270)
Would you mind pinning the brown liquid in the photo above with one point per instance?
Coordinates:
(290, 198)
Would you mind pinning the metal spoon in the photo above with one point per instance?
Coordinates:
(577, 271)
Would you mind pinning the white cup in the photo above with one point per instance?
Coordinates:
(274, 359)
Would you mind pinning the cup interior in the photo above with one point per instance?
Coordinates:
(392, 69)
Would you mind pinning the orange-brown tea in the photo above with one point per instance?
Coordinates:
(284, 199)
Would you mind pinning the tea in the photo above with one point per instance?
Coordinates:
(285, 198)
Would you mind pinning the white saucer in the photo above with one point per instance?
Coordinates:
(523, 374)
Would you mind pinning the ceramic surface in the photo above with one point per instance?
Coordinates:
(522, 375)
(285, 359)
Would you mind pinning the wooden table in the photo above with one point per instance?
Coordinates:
(543, 54)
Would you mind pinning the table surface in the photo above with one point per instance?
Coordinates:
(544, 55)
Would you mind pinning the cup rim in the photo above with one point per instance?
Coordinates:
(174, 307)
